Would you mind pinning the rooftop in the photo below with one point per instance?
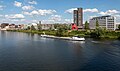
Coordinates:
(101, 17)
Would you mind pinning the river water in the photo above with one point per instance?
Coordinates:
(30, 52)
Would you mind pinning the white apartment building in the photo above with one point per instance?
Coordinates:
(117, 24)
(107, 22)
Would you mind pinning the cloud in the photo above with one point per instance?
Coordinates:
(70, 10)
(27, 7)
(1, 7)
(35, 21)
(26, 13)
(91, 10)
(90, 17)
(55, 17)
(85, 10)
(68, 21)
(34, 12)
(1, 15)
(15, 16)
(109, 12)
(118, 16)
(32, 2)
(48, 21)
(17, 4)
(52, 19)
(40, 12)
(45, 12)
(18, 20)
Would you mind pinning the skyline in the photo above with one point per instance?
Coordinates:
(53, 11)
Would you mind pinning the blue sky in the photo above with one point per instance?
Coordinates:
(55, 11)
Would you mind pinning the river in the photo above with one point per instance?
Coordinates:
(30, 52)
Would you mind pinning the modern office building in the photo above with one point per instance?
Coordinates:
(78, 18)
(107, 22)
(117, 24)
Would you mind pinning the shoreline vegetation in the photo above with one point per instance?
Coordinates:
(98, 33)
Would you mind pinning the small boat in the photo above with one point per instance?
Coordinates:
(44, 35)
(77, 38)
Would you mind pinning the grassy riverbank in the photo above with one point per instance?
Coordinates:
(85, 33)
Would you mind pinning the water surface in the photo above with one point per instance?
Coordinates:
(30, 52)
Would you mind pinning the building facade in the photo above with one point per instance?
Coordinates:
(107, 22)
(78, 18)
(47, 26)
(117, 25)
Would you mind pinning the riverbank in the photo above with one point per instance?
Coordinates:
(88, 33)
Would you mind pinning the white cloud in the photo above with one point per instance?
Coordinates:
(26, 13)
(45, 12)
(18, 20)
(109, 12)
(27, 7)
(48, 21)
(68, 21)
(91, 17)
(1, 7)
(118, 16)
(1, 15)
(15, 16)
(18, 4)
(35, 21)
(34, 12)
(85, 10)
(91, 10)
(32, 2)
(52, 19)
(40, 12)
(70, 10)
(55, 17)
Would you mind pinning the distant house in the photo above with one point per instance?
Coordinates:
(21, 26)
(12, 26)
(3, 25)
(47, 26)
(35, 25)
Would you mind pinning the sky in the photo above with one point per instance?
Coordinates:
(55, 11)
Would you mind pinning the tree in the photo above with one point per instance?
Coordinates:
(86, 25)
(56, 26)
(69, 27)
(28, 28)
(59, 31)
(97, 24)
(39, 27)
(33, 28)
(98, 32)
(119, 27)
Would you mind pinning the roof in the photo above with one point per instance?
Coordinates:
(102, 16)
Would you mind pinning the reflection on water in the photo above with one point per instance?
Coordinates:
(81, 42)
(30, 52)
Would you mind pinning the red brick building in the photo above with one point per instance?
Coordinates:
(78, 18)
